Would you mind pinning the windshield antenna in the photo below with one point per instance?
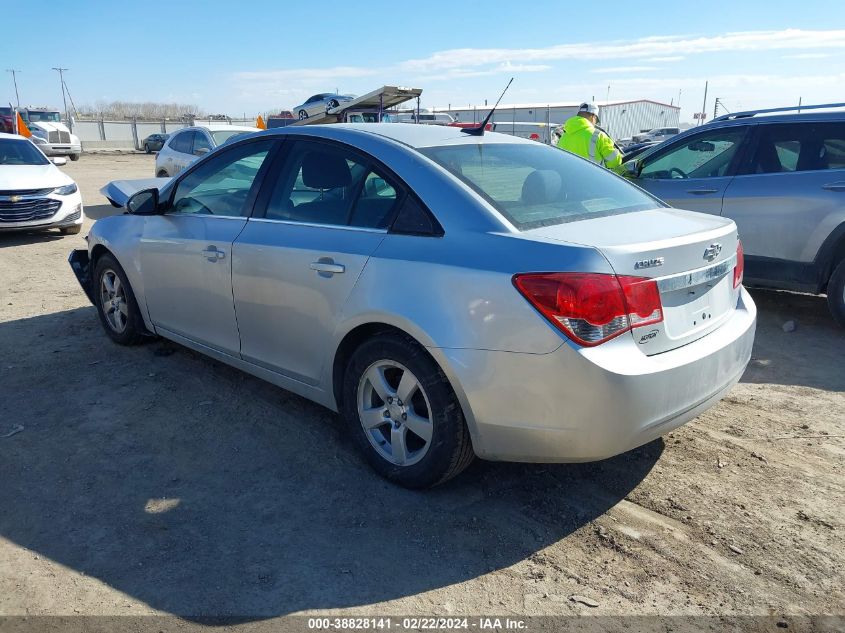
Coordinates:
(479, 131)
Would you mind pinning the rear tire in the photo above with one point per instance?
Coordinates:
(162, 174)
(390, 442)
(71, 230)
(836, 294)
(116, 304)
(147, 149)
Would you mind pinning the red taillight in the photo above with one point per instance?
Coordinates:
(739, 269)
(591, 308)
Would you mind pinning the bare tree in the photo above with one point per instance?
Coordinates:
(119, 110)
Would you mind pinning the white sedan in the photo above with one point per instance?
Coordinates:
(34, 193)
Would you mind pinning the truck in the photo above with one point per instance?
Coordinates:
(50, 134)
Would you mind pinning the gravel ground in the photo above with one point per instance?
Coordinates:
(154, 480)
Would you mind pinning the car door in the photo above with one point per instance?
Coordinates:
(693, 172)
(186, 251)
(297, 260)
(790, 195)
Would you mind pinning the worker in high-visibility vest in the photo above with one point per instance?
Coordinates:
(582, 136)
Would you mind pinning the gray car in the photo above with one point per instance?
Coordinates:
(188, 144)
(450, 295)
(781, 177)
(320, 104)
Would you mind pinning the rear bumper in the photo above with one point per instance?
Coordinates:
(80, 264)
(585, 404)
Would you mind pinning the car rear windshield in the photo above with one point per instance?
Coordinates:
(225, 135)
(535, 185)
(15, 152)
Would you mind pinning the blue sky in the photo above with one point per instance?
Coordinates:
(258, 56)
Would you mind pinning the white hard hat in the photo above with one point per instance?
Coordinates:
(590, 107)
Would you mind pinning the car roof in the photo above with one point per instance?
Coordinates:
(222, 127)
(416, 136)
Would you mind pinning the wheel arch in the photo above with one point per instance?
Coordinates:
(364, 331)
(830, 254)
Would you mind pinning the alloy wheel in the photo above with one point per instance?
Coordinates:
(394, 412)
(113, 301)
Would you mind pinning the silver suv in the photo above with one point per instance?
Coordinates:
(777, 173)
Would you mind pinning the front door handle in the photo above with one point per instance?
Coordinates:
(835, 186)
(702, 192)
(213, 254)
(326, 266)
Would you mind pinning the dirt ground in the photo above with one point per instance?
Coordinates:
(155, 480)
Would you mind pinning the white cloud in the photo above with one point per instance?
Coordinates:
(623, 69)
(661, 60)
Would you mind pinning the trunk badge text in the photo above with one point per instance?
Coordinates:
(648, 263)
(712, 251)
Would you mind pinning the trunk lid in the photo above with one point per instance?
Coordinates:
(690, 255)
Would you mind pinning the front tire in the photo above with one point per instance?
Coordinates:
(116, 304)
(162, 174)
(403, 414)
(71, 230)
(303, 115)
(74, 157)
(836, 294)
(147, 149)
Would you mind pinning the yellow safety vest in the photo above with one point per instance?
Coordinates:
(583, 138)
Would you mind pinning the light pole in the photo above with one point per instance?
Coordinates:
(62, 80)
(15, 81)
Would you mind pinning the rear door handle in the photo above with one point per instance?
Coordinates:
(702, 192)
(835, 186)
(327, 266)
(212, 253)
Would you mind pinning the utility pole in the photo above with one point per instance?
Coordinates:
(704, 105)
(15, 80)
(62, 80)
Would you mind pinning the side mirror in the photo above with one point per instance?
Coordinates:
(59, 161)
(143, 202)
(633, 168)
(201, 151)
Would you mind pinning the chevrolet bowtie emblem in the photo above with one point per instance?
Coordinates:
(14, 198)
(712, 251)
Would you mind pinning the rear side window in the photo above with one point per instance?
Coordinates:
(181, 142)
(793, 147)
(325, 184)
(535, 185)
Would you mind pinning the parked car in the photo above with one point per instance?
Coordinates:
(780, 176)
(321, 103)
(657, 135)
(185, 146)
(632, 150)
(34, 193)
(154, 142)
(449, 294)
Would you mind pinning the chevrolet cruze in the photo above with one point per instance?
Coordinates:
(450, 294)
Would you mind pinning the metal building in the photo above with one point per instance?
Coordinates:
(620, 119)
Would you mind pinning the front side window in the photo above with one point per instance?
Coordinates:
(201, 144)
(20, 152)
(221, 136)
(327, 184)
(799, 147)
(221, 186)
(534, 185)
(706, 155)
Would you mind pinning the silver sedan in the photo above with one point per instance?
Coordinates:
(450, 295)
